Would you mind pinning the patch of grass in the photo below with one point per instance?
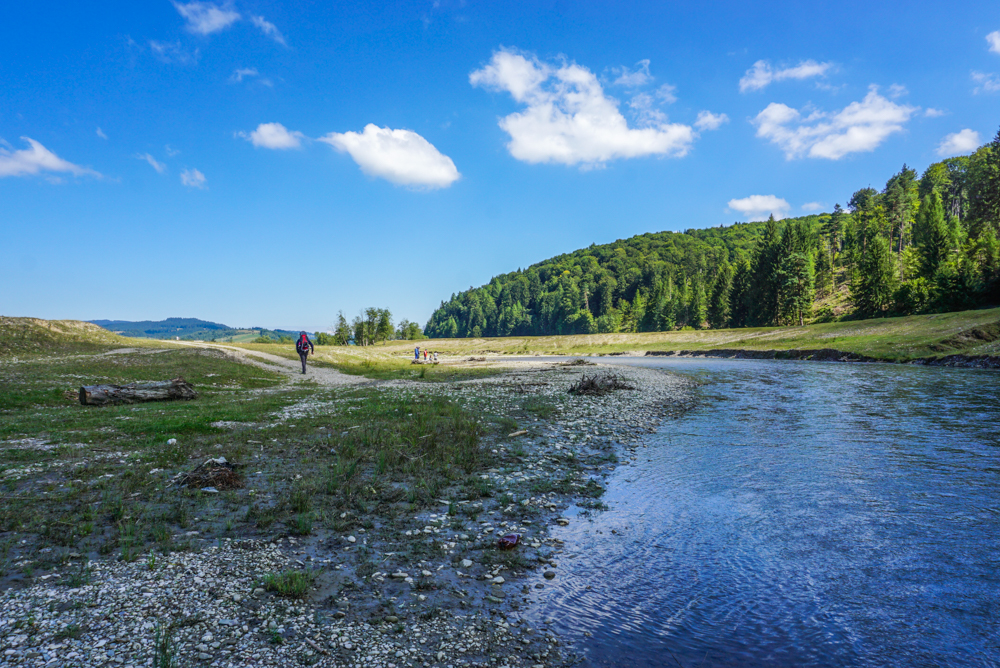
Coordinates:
(164, 651)
(290, 584)
(68, 632)
(302, 525)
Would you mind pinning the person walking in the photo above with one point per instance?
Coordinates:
(416, 353)
(303, 347)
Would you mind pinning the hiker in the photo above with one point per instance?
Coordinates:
(435, 357)
(425, 354)
(416, 353)
(303, 347)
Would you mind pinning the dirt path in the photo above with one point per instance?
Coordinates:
(290, 368)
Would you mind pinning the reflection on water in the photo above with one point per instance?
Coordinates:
(805, 514)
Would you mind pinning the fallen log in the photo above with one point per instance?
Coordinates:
(166, 390)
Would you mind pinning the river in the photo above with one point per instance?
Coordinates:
(806, 514)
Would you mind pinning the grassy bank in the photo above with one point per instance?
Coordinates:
(895, 339)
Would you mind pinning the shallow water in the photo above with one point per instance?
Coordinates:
(805, 514)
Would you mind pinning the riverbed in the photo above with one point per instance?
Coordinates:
(804, 514)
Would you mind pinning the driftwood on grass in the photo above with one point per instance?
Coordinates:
(167, 390)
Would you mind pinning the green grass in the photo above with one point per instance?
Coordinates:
(291, 584)
(95, 479)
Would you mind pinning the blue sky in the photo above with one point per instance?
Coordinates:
(268, 164)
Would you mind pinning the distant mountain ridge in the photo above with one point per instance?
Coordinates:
(187, 329)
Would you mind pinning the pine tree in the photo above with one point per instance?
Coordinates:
(719, 307)
(739, 295)
(874, 279)
(931, 235)
(764, 299)
(984, 196)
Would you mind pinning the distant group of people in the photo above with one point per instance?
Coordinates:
(428, 355)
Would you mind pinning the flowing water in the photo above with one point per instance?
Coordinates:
(805, 514)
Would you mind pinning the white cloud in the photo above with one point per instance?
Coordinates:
(761, 74)
(204, 18)
(568, 119)
(171, 152)
(959, 143)
(273, 135)
(193, 179)
(858, 127)
(100, 133)
(400, 156)
(897, 90)
(708, 121)
(269, 29)
(172, 52)
(931, 112)
(810, 207)
(36, 159)
(666, 93)
(242, 72)
(646, 112)
(759, 207)
(640, 76)
(158, 166)
(988, 82)
(993, 39)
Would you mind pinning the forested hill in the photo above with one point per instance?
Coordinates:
(594, 289)
(923, 243)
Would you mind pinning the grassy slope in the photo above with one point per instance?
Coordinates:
(27, 337)
(898, 339)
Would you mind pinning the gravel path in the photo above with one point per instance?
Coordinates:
(324, 376)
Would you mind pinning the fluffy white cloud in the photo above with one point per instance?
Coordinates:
(759, 207)
(400, 156)
(640, 76)
(273, 135)
(858, 127)
(36, 159)
(193, 179)
(810, 207)
(204, 18)
(708, 121)
(931, 112)
(268, 29)
(100, 133)
(153, 162)
(959, 143)
(568, 119)
(761, 74)
(993, 39)
(988, 82)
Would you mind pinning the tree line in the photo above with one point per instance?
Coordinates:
(373, 325)
(920, 244)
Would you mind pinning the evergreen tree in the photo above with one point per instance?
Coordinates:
(874, 279)
(719, 308)
(931, 235)
(342, 331)
(984, 195)
(740, 294)
(797, 278)
(765, 300)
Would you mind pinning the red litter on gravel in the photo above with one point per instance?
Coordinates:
(509, 542)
